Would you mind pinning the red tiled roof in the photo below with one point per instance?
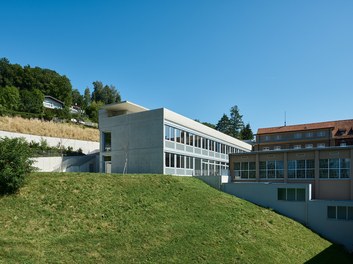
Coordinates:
(345, 125)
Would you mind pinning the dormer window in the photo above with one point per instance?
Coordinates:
(340, 132)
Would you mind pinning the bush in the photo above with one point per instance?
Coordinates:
(15, 164)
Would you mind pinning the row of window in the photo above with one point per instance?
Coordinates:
(187, 138)
(298, 169)
(319, 145)
(178, 161)
(340, 212)
(297, 135)
(291, 194)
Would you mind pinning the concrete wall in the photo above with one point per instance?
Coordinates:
(312, 213)
(87, 147)
(137, 138)
(87, 163)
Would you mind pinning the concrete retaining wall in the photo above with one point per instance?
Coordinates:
(312, 213)
(87, 147)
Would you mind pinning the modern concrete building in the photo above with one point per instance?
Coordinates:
(137, 140)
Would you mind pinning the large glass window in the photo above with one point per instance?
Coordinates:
(301, 169)
(245, 170)
(334, 168)
(169, 160)
(271, 169)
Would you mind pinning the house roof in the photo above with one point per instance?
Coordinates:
(339, 128)
(53, 98)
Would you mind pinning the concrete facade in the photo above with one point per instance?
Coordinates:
(137, 140)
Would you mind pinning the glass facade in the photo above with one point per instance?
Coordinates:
(301, 169)
(272, 169)
(334, 168)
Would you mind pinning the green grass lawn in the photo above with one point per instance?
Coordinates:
(100, 218)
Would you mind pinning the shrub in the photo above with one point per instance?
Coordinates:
(15, 164)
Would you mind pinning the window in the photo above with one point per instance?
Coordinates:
(297, 147)
(298, 135)
(189, 162)
(107, 141)
(334, 168)
(321, 133)
(291, 194)
(321, 145)
(178, 135)
(271, 169)
(309, 134)
(340, 212)
(265, 148)
(277, 147)
(169, 160)
(245, 170)
(302, 169)
(309, 146)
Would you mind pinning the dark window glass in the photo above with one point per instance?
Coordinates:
(301, 194)
(350, 213)
(342, 212)
(331, 212)
(290, 194)
(281, 194)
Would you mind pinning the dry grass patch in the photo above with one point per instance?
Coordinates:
(49, 129)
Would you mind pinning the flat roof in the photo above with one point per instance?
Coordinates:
(125, 106)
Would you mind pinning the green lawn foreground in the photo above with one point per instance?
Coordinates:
(102, 218)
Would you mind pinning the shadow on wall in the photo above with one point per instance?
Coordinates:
(329, 255)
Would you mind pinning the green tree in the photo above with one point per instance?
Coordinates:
(15, 164)
(209, 125)
(236, 120)
(86, 98)
(77, 98)
(246, 133)
(32, 101)
(106, 94)
(92, 110)
(224, 125)
(9, 97)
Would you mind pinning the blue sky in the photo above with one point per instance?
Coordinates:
(197, 58)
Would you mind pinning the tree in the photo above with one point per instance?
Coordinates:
(31, 101)
(106, 94)
(77, 98)
(92, 110)
(236, 120)
(15, 164)
(9, 97)
(86, 98)
(224, 125)
(246, 133)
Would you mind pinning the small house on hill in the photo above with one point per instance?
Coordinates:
(52, 103)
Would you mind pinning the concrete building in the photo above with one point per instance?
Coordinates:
(137, 140)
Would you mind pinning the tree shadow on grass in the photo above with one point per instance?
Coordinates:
(332, 254)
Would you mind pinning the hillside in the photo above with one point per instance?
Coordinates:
(98, 218)
(49, 129)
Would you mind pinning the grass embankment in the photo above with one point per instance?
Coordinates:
(97, 218)
(49, 129)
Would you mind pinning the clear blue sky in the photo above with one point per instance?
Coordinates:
(197, 58)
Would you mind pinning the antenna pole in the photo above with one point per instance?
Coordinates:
(285, 118)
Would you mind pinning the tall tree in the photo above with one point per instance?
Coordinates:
(77, 98)
(224, 125)
(31, 101)
(246, 133)
(86, 98)
(236, 120)
(104, 93)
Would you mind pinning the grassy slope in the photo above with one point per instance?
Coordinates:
(92, 218)
(49, 129)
